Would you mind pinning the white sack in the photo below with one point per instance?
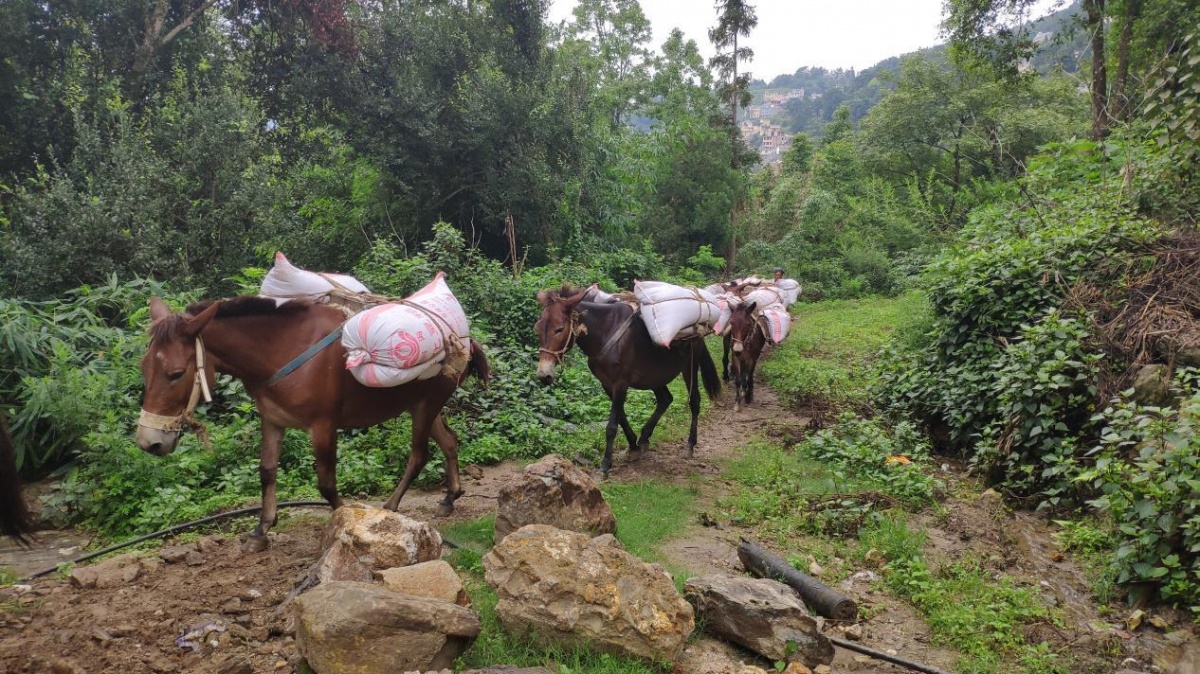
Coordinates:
(778, 320)
(671, 311)
(286, 281)
(392, 344)
(791, 288)
(595, 294)
(726, 303)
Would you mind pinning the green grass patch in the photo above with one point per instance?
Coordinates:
(648, 513)
(826, 356)
(966, 605)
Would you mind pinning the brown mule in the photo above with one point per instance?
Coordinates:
(622, 356)
(252, 339)
(746, 340)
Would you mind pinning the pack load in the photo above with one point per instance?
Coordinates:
(286, 282)
(778, 322)
(790, 288)
(726, 303)
(416, 338)
(673, 312)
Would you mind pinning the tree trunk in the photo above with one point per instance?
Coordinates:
(1095, 20)
(731, 257)
(1120, 98)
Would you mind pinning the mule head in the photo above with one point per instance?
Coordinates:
(174, 373)
(741, 324)
(556, 328)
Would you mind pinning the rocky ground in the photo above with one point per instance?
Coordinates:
(214, 608)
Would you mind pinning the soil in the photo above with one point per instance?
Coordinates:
(50, 625)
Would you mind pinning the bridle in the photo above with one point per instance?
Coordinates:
(574, 329)
(177, 423)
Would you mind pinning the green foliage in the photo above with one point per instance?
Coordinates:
(1001, 372)
(1146, 471)
(642, 528)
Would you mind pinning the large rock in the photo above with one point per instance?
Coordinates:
(562, 586)
(112, 572)
(436, 579)
(360, 540)
(344, 627)
(760, 614)
(554, 491)
(1152, 385)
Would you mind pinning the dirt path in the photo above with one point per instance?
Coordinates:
(135, 625)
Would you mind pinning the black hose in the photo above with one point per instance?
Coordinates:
(894, 659)
(171, 530)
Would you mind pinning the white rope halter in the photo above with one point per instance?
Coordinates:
(160, 422)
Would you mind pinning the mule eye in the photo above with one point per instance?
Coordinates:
(174, 376)
(559, 330)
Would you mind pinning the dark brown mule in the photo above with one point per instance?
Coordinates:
(746, 340)
(622, 356)
(251, 339)
(14, 514)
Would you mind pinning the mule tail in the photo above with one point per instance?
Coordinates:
(708, 370)
(14, 514)
(478, 363)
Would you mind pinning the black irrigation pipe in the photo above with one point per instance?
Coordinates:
(894, 659)
(170, 530)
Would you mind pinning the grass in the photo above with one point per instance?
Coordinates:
(826, 356)
(647, 514)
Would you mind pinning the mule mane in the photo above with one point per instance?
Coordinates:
(170, 327)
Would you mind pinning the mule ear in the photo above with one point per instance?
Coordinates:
(158, 309)
(575, 299)
(198, 322)
(751, 307)
(543, 297)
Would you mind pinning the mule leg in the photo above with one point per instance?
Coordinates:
(750, 381)
(615, 413)
(324, 441)
(725, 346)
(418, 456)
(737, 383)
(447, 440)
(692, 379)
(268, 470)
(625, 426)
(662, 400)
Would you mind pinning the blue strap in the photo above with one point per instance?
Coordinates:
(304, 357)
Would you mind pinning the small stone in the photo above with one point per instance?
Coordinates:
(281, 664)
(862, 659)
(174, 554)
(797, 668)
(122, 630)
(233, 605)
(101, 636)
(65, 666)
(251, 594)
(235, 665)
(194, 558)
(854, 632)
(474, 472)
(822, 669)
(209, 543)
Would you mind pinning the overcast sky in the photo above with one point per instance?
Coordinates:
(795, 33)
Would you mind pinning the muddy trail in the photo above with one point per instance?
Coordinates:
(148, 619)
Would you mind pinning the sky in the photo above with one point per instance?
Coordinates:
(793, 33)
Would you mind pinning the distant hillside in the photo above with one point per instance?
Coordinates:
(810, 95)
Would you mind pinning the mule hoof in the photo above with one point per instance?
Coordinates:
(644, 446)
(444, 510)
(253, 543)
(737, 407)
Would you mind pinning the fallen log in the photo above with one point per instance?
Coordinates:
(819, 597)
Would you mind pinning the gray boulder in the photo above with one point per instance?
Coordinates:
(759, 614)
(554, 491)
(565, 587)
(345, 627)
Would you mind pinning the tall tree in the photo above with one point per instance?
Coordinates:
(619, 36)
(735, 19)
